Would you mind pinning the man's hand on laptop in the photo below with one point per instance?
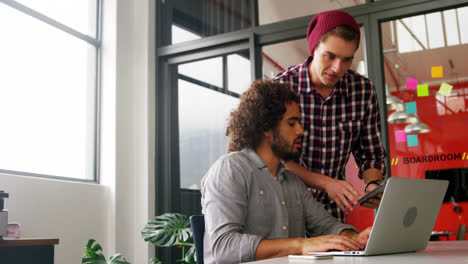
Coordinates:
(360, 238)
(329, 242)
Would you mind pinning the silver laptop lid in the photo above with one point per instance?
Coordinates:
(406, 215)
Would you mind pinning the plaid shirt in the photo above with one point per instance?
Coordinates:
(346, 122)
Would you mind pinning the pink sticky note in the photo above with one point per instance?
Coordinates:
(411, 83)
(400, 136)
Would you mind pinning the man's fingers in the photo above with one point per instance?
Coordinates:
(368, 205)
(346, 204)
(343, 203)
(353, 190)
(343, 243)
(344, 194)
(350, 243)
(351, 198)
(340, 204)
(363, 237)
(366, 232)
(333, 242)
(351, 193)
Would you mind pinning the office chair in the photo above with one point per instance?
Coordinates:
(461, 232)
(197, 222)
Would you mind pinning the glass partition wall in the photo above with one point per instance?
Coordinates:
(426, 77)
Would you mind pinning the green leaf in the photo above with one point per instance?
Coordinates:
(167, 230)
(96, 248)
(90, 243)
(97, 260)
(118, 259)
(190, 256)
(155, 260)
(92, 255)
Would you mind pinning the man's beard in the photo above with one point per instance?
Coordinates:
(282, 148)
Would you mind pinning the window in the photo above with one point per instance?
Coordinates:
(48, 89)
(433, 30)
(271, 11)
(208, 91)
(202, 127)
(203, 18)
(180, 35)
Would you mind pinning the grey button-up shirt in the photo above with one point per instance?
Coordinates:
(243, 204)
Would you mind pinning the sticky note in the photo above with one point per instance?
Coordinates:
(423, 90)
(400, 136)
(412, 140)
(445, 89)
(437, 72)
(411, 108)
(411, 83)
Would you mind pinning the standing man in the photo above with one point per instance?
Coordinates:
(340, 114)
(254, 207)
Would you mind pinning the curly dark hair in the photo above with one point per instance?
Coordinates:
(261, 108)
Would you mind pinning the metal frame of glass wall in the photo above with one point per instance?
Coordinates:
(369, 15)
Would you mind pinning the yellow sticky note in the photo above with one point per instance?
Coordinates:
(437, 72)
(445, 89)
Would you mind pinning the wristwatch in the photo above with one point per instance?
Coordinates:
(377, 182)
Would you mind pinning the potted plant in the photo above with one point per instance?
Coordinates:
(166, 230)
(171, 229)
(93, 255)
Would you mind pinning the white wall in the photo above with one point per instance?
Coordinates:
(73, 212)
(115, 211)
(135, 125)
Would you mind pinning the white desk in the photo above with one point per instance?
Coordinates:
(443, 252)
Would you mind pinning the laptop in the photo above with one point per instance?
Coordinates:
(405, 218)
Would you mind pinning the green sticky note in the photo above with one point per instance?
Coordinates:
(445, 89)
(423, 90)
(412, 140)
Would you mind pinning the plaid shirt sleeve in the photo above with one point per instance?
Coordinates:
(290, 78)
(370, 153)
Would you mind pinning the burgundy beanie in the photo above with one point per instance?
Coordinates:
(326, 21)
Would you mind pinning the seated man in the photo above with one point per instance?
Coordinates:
(254, 207)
